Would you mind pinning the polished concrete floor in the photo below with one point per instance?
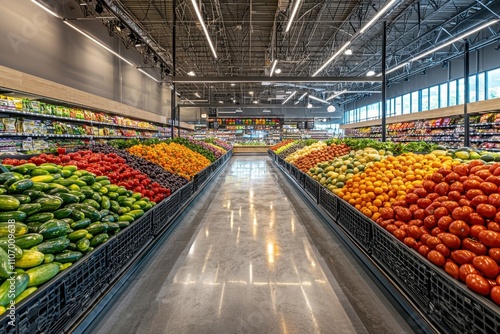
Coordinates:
(250, 257)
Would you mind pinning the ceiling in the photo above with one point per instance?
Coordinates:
(249, 35)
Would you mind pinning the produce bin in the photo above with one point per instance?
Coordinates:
(356, 224)
(83, 282)
(186, 192)
(407, 266)
(329, 202)
(128, 243)
(5, 327)
(164, 211)
(200, 178)
(459, 309)
(311, 187)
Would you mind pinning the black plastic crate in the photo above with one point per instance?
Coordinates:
(164, 211)
(4, 325)
(411, 269)
(84, 281)
(356, 224)
(186, 192)
(41, 312)
(127, 244)
(200, 179)
(311, 187)
(460, 310)
(329, 202)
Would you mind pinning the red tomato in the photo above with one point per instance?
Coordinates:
(410, 242)
(403, 214)
(470, 194)
(432, 196)
(451, 269)
(419, 214)
(480, 199)
(494, 179)
(413, 208)
(423, 202)
(441, 212)
(436, 257)
(433, 241)
(391, 228)
(475, 230)
(490, 238)
(476, 219)
(459, 228)
(454, 195)
(462, 213)
(464, 202)
(429, 185)
(442, 199)
(436, 231)
(387, 213)
(442, 188)
(461, 169)
(471, 184)
(494, 199)
(466, 270)
(488, 188)
(424, 237)
(483, 174)
(491, 282)
(486, 210)
(400, 234)
(444, 170)
(494, 253)
(424, 250)
(492, 226)
(474, 246)
(450, 205)
(399, 223)
(414, 232)
(411, 198)
(452, 177)
(475, 178)
(437, 177)
(486, 265)
(495, 293)
(450, 240)
(462, 256)
(478, 284)
(463, 178)
(441, 248)
(430, 222)
(421, 192)
(474, 163)
(416, 222)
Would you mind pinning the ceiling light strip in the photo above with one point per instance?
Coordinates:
(318, 99)
(200, 18)
(275, 62)
(289, 97)
(149, 75)
(292, 17)
(47, 9)
(97, 42)
(335, 55)
(336, 94)
(377, 16)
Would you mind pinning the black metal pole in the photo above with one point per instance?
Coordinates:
(384, 81)
(466, 94)
(179, 120)
(173, 95)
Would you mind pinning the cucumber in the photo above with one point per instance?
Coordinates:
(112, 195)
(53, 246)
(121, 190)
(55, 185)
(96, 186)
(97, 228)
(50, 204)
(142, 204)
(30, 166)
(41, 217)
(99, 239)
(12, 216)
(83, 244)
(123, 224)
(5, 269)
(90, 212)
(88, 179)
(89, 236)
(92, 203)
(121, 199)
(64, 266)
(52, 229)
(80, 224)
(69, 197)
(71, 168)
(22, 198)
(77, 235)
(103, 190)
(112, 187)
(68, 221)
(104, 212)
(77, 215)
(40, 186)
(100, 178)
(19, 271)
(137, 196)
(10, 247)
(18, 228)
(79, 194)
(62, 213)
(25, 294)
(29, 240)
(127, 218)
(80, 183)
(43, 179)
(66, 257)
(96, 197)
(39, 172)
(87, 192)
(71, 247)
(19, 169)
(66, 182)
(105, 203)
(113, 227)
(74, 187)
(30, 259)
(48, 258)
(33, 194)
(42, 274)
(122, 210)
(5, 176)
(136, 213)
(108, 218)
(13, 179)
(30, 208)
(49, 167)
(57, 191)
(115, 206)
(33, 227)
(9, 203)
(9, 291)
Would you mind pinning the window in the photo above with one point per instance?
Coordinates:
(434, 97)
(373, 111)
(362, 113)
(406, 104)
(388, 110)
(493, 84)
(461, 90)
(425, 99)
(481, 87)
(443, 95)
(414, 101)
(453, 93)
(398, 105)
(472, 89)
(351, 116)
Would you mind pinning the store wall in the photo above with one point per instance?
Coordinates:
(34, 42)
(482, 60)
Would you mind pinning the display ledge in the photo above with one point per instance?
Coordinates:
(33, 114)
(485, 141)
(424, 135)
(484, 124)
(433, 141)
(485, 134)
(71, 136)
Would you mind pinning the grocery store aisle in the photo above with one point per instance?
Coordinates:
(240, 262)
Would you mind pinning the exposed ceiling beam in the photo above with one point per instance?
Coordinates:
(273, 79)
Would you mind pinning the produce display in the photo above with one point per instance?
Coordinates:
(327, 153)
(216, 151)
(219, 143)
(281, 144)
(57, 214)
(305, 151)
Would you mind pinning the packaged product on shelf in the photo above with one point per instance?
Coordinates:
(29, 126)
(27, 144)
(89, 115)
(101, 132)
(50, 109)
(4, 101)
(10, 146)
(46, 127)
(9, 124)
(15, 102)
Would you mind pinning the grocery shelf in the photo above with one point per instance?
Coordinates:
(51, 135)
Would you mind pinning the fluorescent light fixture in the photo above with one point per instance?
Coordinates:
(300, 98)
(221, 102)
(289, 97)
(188, 100)
(277, 71)
(197, 95)
(370, 73)
(309, 106)
(294, 12)
(275, 62)
(203, 115)
(330, 108)
(191, 74)
(200, 18)
(335, 95)
(318, 99)
(45, 8)
(348, 52)
(97, 42)
(147, 74)
(377, 16)
(266, 110)
(454, 40)
(250, 93)
(226, 112)
(335, 55)
(255, 102)
(232, 85)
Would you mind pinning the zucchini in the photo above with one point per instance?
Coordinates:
(65, 182)
(68, 221)
(72, 256)
(30, 208)
(104, 212)
(77, 235)
(66, 173)
(48, 258)
(33, 194)
(42, 274)
(19, 229)
(30, 259)
(25, 294)
(29, 240)
(69, 197)
(39, 172)
(30, 166)
(137, 196)
(136, 213)
(64, 266)
(121, 190)
(5, 176)
(92, 203)
(43, 179)
(96, 186)
(127, 218)
(53, 246)
(97, 228)
(52, 229)
(113, 227)
(33, 227)
(12, 216)
(103, 190)
(62, 213)
(80, 183)
(112, 187)
(99, 239)
(2, 190)
(142, 204)
(123, 224)
(74, 187)
(115, 206)
(5, 268)
(80, 224)
(40, 186)
(77, 215)
(19, 169)
(41, 217)
(9, 203)
(89, 236)
(9, 291)
(22, 198)
(50, 204)
(83, 244)
(10, 247)
(105, 182)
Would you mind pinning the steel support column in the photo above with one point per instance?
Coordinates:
(384, 81)
(466, 94)
(173, 95)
